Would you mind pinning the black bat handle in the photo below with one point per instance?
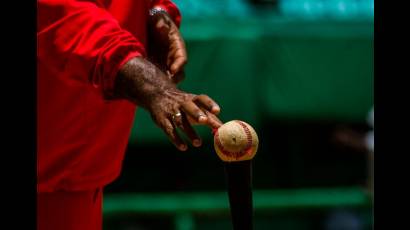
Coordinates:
(239, 180)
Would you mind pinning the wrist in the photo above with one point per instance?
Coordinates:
(141, 82)
(157, 13)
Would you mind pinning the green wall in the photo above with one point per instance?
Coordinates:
(282, 69)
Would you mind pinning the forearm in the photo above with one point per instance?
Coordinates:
(143, 83)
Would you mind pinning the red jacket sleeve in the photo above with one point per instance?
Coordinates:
(83, 39)
(171, 9)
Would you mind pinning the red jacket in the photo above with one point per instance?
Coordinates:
(82, 135)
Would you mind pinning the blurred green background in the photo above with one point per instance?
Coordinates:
(301, 73)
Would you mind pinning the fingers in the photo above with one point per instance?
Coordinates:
(163, 29)
(207, 103)
(213, 121)
(180, 120)
(177, 118)
(177, 55)
(190, 132)
(166, 125)
(191, 109)
(202, 109)
(169, 36)
(178, 62)
(183, 111)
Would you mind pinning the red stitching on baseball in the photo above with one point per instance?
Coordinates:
(220, 146)
(248, 137)
(239, 154)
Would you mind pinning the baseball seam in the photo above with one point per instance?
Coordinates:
(239, 154)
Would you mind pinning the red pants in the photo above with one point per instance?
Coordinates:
(70, 210)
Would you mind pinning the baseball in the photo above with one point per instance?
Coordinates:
(236, 141)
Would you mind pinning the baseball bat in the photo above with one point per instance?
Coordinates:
(239, 184)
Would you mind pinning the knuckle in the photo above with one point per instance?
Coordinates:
(191, 95)
(197, 111)
(169, 129)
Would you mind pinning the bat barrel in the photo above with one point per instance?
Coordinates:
(239, 181)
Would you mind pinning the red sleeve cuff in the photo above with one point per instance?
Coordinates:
(109, 70)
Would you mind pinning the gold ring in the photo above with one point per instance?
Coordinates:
(176, 115)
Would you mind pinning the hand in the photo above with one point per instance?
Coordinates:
(167, 47)
(174, 109)
(143, 83)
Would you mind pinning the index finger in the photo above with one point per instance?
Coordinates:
(213, 120)
(207, 103)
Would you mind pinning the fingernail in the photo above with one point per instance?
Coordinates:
(216, 109)
(196, 142)
(202, 118)
(183, 147)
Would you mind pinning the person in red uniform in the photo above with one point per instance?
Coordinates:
(97, 60)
